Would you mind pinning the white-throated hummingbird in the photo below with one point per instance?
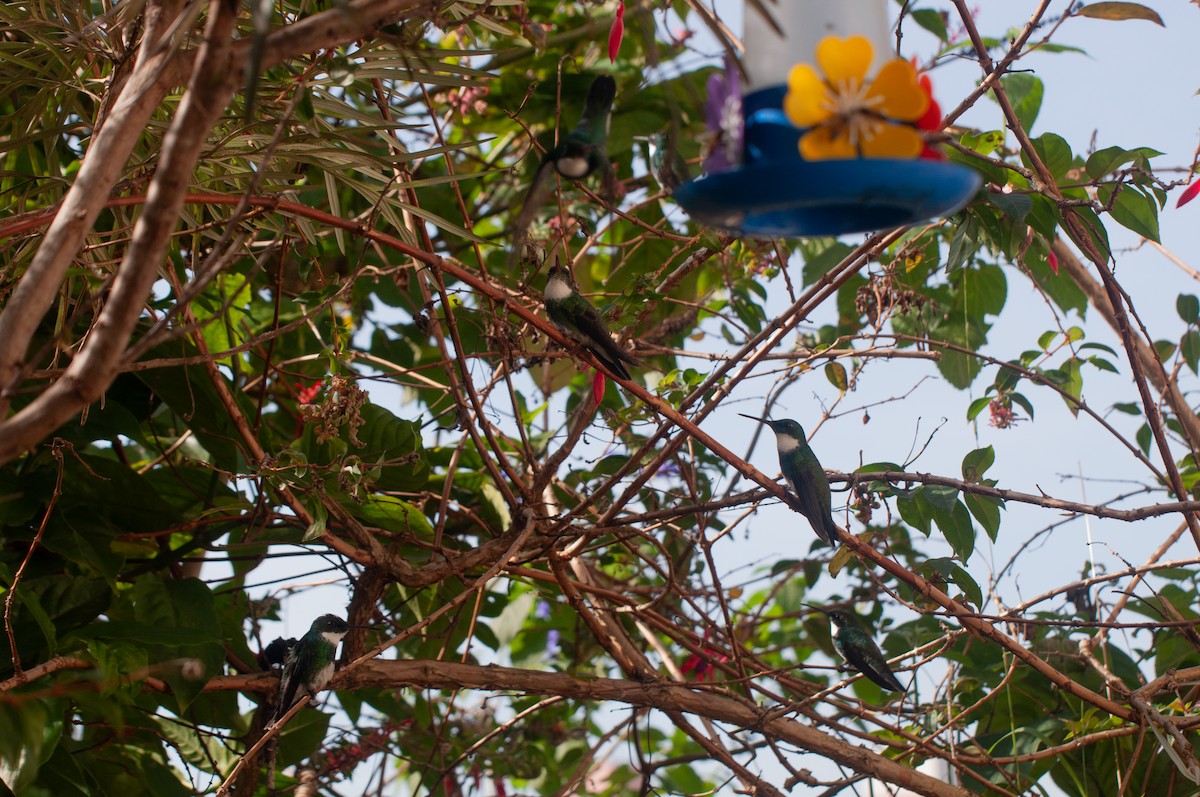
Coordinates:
(582, 322)
(858, 650)
(804, 475)
(579, 153)
(309, 664)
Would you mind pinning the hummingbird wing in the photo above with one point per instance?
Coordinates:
(873, 665)
(587, 328)
(289, 684)
(811, 486)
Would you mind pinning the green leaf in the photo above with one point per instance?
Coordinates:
(1165, 349)
(963, 580)
(986, 510)
(820, 255)
(1132, 209)
(915, 511)
(1107, 160)
(977, 406)
(1188, 307)
(1074, 383)
(836, 374)
(1015, 206)
(1144, 438)
(957, 528)
(1025, 93)
(976, 463)
(395, 515)
(932, 21)
(1022, 402)
(1055, 152)
(1189, 347)
(963, 244)
(1128, 408)
(1120, 11)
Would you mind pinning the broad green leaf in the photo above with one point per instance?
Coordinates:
(1055, 152)
(1188, 307)
(977, 406)
(977, 462)
(932, 21)
(1189, 347)
(986, 510)
(1107, 160)
(1025, 93)
(1133, 210)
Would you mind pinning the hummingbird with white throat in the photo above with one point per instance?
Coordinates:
(804, 475)
(310, 662)
(858, 650)
(582, 322)
(581, 152)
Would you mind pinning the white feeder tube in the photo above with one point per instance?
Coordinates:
(769, 57)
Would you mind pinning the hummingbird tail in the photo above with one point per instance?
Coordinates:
(600, 97)
(613, 364)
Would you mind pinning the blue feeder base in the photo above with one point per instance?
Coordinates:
(798, 198)
(777, 194)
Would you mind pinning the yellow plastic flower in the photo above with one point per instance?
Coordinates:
(849, 116)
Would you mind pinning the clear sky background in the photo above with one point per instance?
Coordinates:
(1135, 87)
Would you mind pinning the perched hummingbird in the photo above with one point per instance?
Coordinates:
(804, 475)
(667, 166)
(580, 153)
(581, 322)
(309, 664)
(857, 648)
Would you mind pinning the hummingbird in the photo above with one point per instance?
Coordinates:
(804, 475)
(856, 647)
(667, 166)
(309, 664)
(581, 322)
(580, 153)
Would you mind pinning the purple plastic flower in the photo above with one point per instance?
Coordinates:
(723, 116)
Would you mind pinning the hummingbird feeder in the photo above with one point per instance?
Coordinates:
(827, 146)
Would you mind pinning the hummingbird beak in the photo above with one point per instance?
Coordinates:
(760, 420)
(815, 608)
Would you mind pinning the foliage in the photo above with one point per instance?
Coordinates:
(231, 346)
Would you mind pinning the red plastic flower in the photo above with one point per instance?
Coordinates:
(850, 115)
(931, 121)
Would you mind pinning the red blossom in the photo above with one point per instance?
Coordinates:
(1188, 195)
(306, 393)
(1052, 260)
(599, 385)
(704, 666)
(616, 32)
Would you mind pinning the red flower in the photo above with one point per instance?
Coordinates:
(1188, 195)
(1052, 260)
(616, 32)
(703, 666)
(306, 394)
(599, 385)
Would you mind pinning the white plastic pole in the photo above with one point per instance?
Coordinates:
(769, 58)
